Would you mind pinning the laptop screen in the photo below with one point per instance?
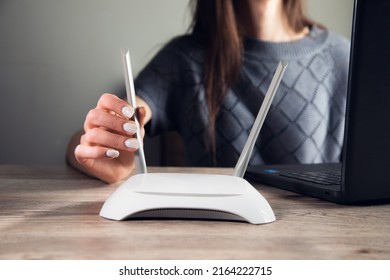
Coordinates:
(367, 136)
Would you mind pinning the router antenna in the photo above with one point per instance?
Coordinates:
(246, 153)
(140, 162)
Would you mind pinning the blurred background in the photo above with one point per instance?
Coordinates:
(58, 56)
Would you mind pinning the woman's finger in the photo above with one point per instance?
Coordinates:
(95, 152)
(113, 103)
(101, 118)
(100, 137)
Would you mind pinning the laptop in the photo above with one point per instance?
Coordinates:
(363, 176)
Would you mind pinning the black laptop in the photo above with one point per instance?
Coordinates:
(364, 174)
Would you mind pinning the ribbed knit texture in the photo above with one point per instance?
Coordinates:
(305, 123)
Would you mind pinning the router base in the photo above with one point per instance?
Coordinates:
(188, 196)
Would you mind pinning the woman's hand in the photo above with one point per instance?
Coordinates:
(106, 149)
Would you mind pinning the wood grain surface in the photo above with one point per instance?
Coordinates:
(52, 212)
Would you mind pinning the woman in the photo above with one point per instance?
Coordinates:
(209, 85)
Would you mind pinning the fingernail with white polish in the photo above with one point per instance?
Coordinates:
(112, 153)
(128, 111)
(129, 127)
(132, 143)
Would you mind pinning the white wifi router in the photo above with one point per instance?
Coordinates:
(193, 196)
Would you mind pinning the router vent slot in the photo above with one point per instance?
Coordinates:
(187, 213)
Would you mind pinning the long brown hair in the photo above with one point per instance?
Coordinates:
(220, 26)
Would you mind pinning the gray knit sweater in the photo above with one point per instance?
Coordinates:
(305, 123)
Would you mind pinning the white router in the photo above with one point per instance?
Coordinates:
(192, 196)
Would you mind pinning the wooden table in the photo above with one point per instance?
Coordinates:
(51, 212)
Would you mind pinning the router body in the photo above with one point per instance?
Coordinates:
(188, 196)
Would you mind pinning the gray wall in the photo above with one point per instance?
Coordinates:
(336, 15)
(58, 56)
